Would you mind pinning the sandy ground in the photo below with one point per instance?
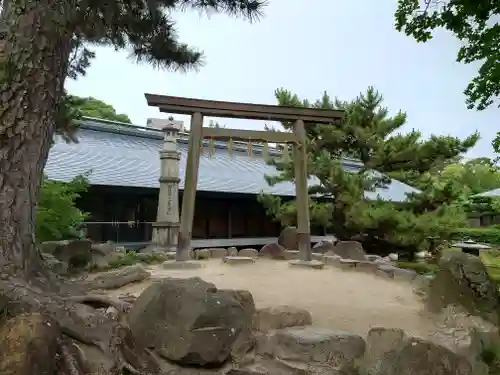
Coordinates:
(341, 300)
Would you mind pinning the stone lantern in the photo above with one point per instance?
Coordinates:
(166, 227)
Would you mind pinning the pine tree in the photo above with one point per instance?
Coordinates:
(370, 135)
(42, 43)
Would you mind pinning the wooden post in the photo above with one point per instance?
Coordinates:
(301, 192)
(190, 185)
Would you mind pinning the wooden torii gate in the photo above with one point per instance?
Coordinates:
(198, 108)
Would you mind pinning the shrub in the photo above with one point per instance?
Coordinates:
(484, 234)
(420, 268)
(57, 217)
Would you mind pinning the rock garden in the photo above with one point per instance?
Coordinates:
(355, 314)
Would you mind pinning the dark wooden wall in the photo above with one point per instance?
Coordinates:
(217, 215)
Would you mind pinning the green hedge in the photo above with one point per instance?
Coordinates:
(489, 235)
(420, 268)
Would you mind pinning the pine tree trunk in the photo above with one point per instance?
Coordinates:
(35, 57)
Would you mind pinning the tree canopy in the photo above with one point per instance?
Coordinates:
(370, 135)
(475, 24)
(93, 107)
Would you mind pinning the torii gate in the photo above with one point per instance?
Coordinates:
(198, 108)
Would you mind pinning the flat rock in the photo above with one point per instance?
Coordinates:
(314, 264)
(200, 254)
(291, 254)
(273, 251)
(250, 253)
(181, 265)
(312, 345)
(366, 266)
(279, 317)
(238, 260)
(318, 256)
(218, 253)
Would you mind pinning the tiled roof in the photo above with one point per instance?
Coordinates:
(120, 155)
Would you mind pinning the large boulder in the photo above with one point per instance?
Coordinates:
(76, 253)
(189, 321)
(462, 279)
(29, 345)
(349, 250)
(273, 251)
(419, 357)
(278, 317)
(311, 350)
(324, 247)
(289, 238)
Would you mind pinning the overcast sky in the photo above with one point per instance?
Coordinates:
(307, 47)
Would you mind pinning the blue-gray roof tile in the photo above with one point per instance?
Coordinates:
(118, 155)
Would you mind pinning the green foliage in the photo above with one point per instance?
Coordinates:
(474, 23)
(368, 134)
(93, 107)
(130, 258)
(419, 267)
(490, 235)
(57, 217)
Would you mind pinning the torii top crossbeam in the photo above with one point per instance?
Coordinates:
(215, 108)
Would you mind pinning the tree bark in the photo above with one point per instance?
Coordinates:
(34, 57)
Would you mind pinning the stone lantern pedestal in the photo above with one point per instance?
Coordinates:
(166, 227)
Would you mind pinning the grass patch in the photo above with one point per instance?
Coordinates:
(491, 260)
(129, 258)
(419, 267)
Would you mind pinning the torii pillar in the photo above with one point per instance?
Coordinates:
(166, 227)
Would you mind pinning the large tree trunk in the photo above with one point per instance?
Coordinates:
(35, 54)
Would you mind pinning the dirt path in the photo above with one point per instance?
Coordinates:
(341, 300)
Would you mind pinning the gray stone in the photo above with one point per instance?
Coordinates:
(288, 238)
(291, 254)
(278, 317)
(462, 279)
(349, 250)
(239, 260)
(419, 357)
(200, 254)
(323, 247)
(218, 253)
(188, 321)
(314, 264)
(273, 251)
(318, 256)
(348, 264)
(380, 341)
(317, 346)
(250, 253)
(181, 265)
(232, 251)
(332, 260)
(366, 266)
(401, 274)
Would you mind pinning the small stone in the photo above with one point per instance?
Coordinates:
(218, 253)
(348, 264)
(232, 252)
(291, 254)
(238, 260)
(279, 317)
(332, 260)
(318, 256)
(314, 264)
(251, 253)
(181, 265)
(202, 254)
(366, 266)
